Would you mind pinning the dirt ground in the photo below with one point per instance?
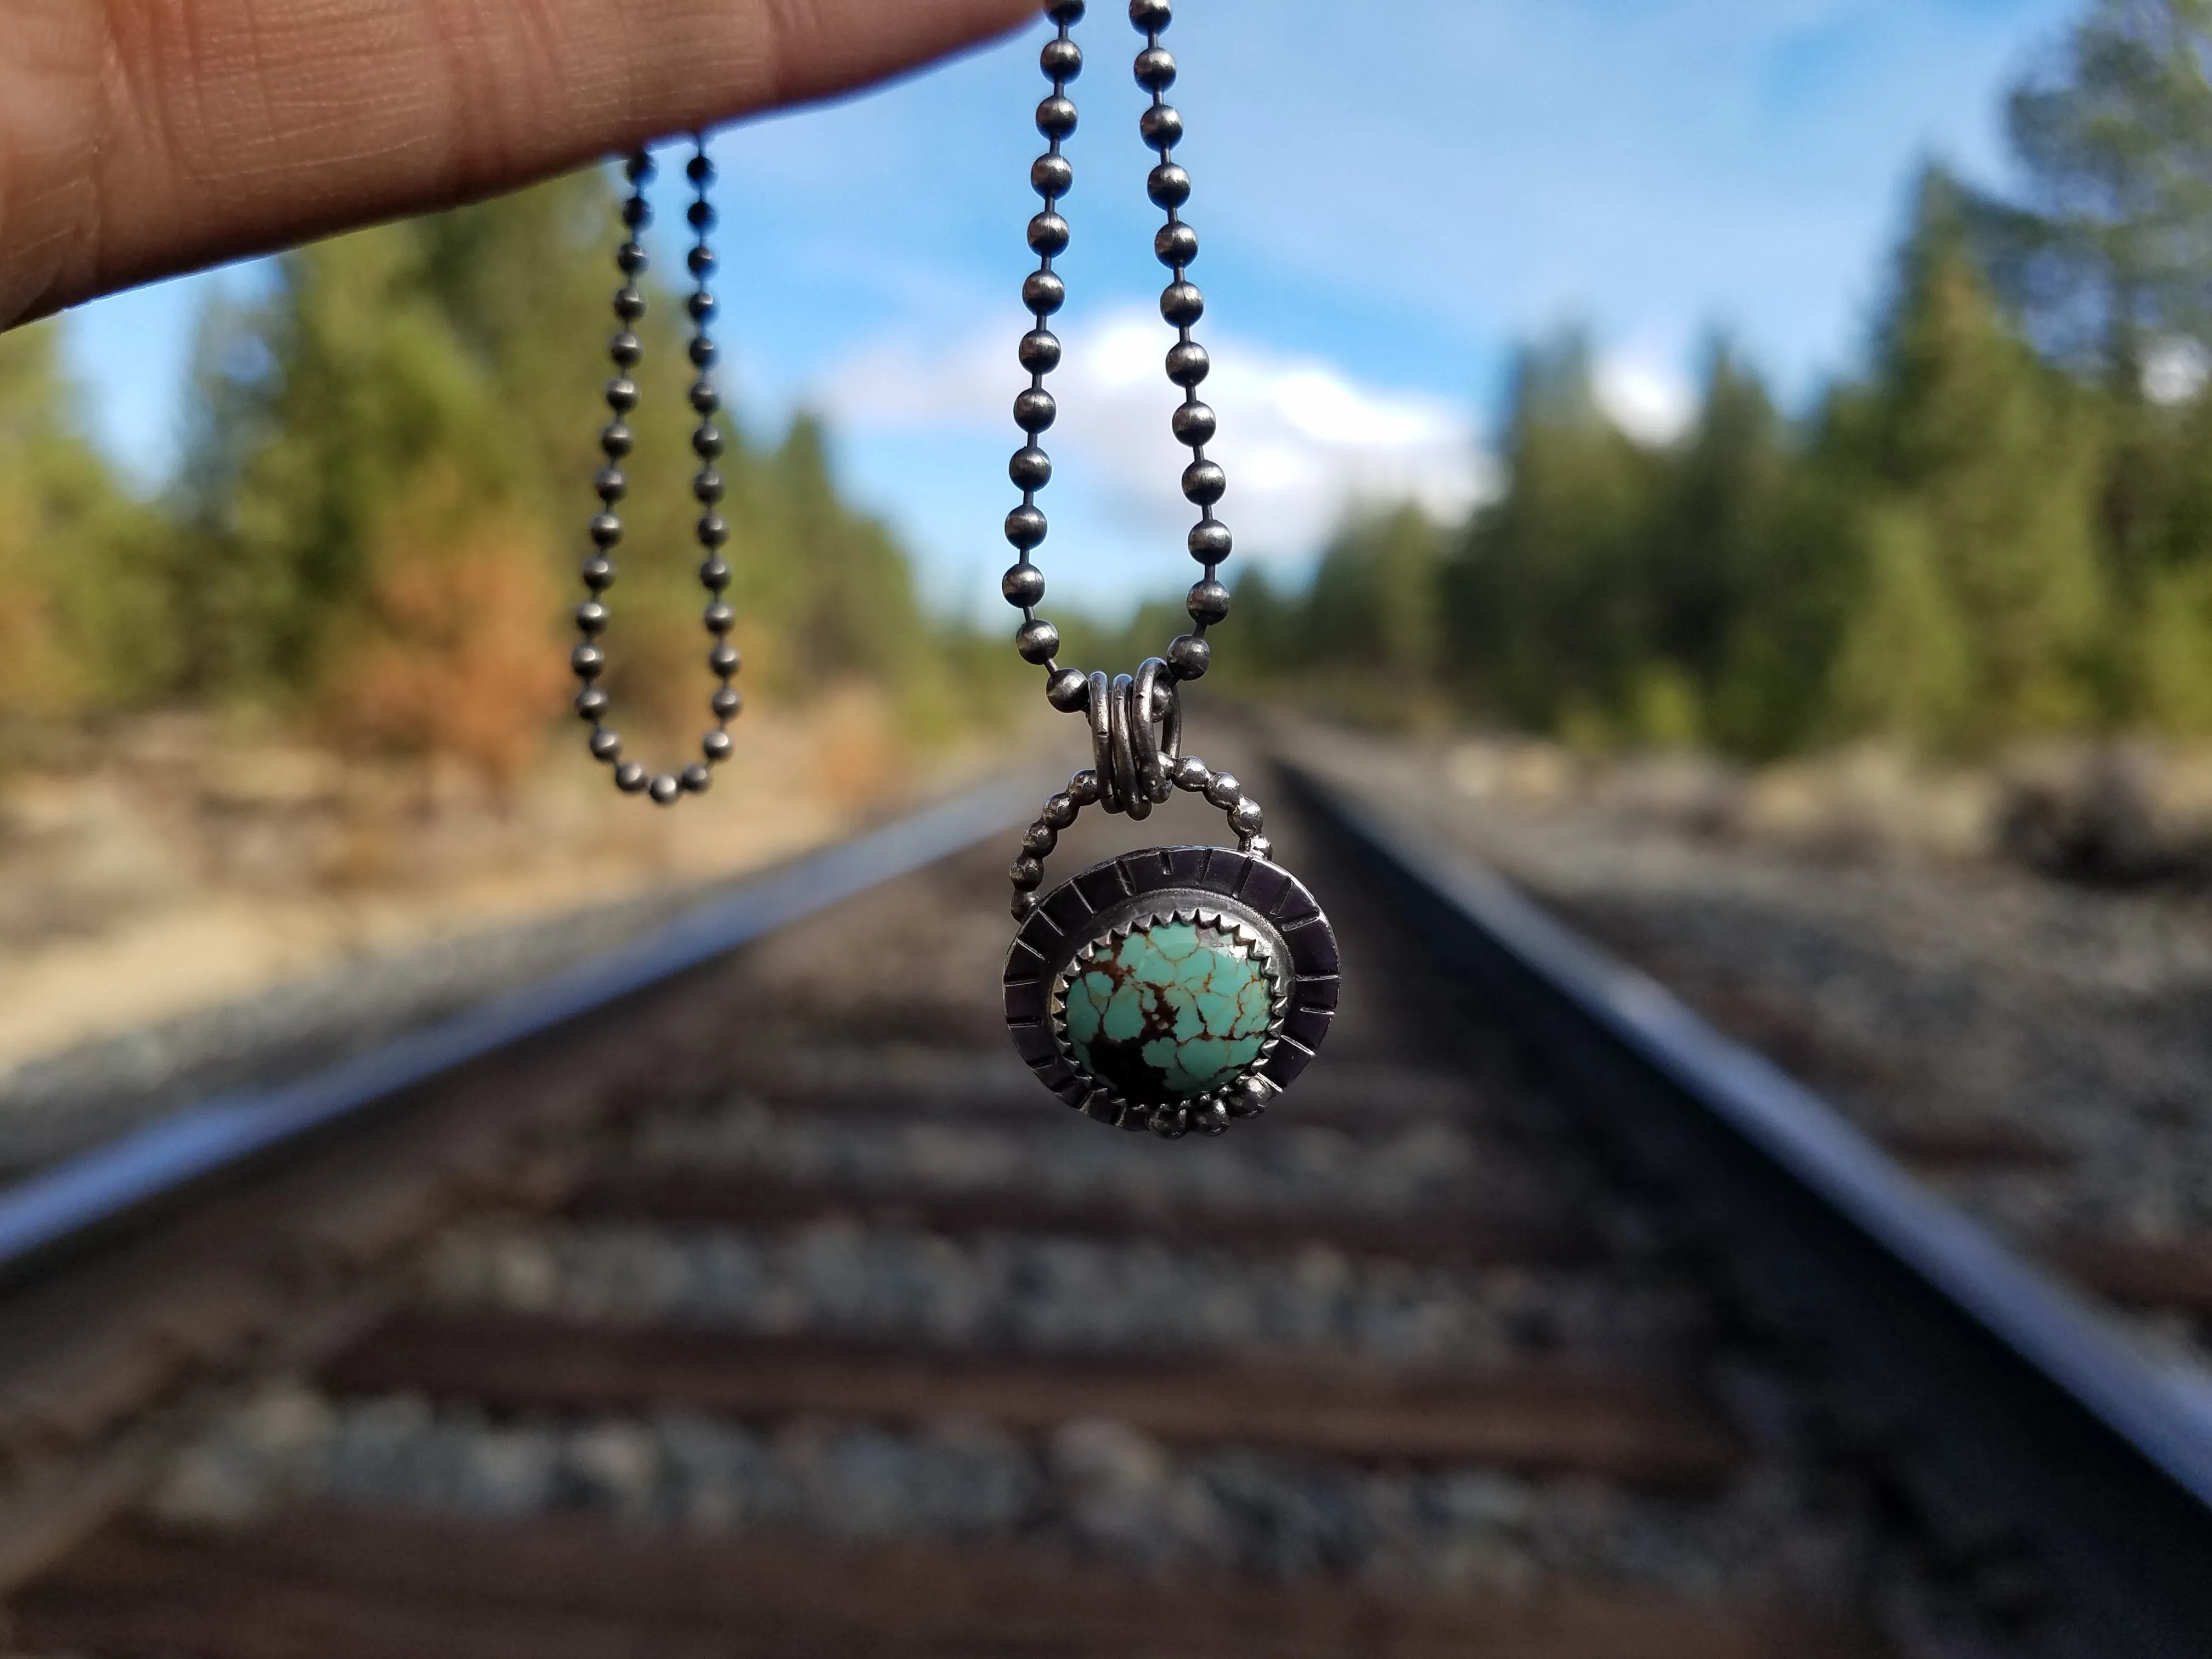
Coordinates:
(202, 897)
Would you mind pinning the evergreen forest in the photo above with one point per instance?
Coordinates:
(1999, 526)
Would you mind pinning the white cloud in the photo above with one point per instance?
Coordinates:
(1301, 441)
(1652, 403)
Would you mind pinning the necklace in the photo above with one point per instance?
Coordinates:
(589, 660)
(1176, 988)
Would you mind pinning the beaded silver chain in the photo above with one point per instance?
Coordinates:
(1136, 720)
(589, 660)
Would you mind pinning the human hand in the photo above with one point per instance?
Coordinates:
(139, 138)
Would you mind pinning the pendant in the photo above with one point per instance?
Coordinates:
(1172, 989)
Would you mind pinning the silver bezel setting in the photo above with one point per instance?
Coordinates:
(1255, 945)
(1247, 894)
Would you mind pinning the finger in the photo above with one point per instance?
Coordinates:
(143, 137)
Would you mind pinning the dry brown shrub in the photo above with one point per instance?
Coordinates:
(454, 657)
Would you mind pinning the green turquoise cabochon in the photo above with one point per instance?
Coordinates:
(1173, 988)
(1173, 1009)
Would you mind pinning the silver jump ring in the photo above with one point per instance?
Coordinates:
(1129, 782)
(1148, 704)
(1102, 740)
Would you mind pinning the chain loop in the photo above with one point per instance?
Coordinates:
(588, 660)
(1128, 756)
(1089, 788)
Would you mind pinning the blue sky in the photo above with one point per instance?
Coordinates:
(1390, 197)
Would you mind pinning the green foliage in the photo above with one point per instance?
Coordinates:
(2106, 257)
(85, 628)
(407, 426)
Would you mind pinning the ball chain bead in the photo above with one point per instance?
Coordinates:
(1027, 873)
(1189, 363)
(631, 258)
(1043, 293)
(591, 616)
(716, 746)
(611, 484)
(707, 442)
(1168, 185)
(1034, 410)
(598, 574)
(622, 394)
(705, 400)
(1040, 839)
(1156, 69)
(1082, 787)
(1224, 791)
(1210, 542)
(630, 777)
(1193, 775)
(707, 486)
(664, 789)
(718, 618)
(1151, 15)
(1023, 586)
(714, 576)
(1062, 60)
(591, 702)
(1246, 818)
(1056, 117)
(1208, 602)
(1174, 244)
(1194, 423)
(713, 530)
(696, 779)
(625, 348)
(630, 304)
(1050, 176)
(615, 439)
(1025, 527)
(606, 531)
(1161, 127)
(1058, 812)
(606, 745)
(1204, 483)
(1181, 303)
(1038, 641)
(1030, 468)
(1068, 689)
(1040, 351)
(724, 660)
(586, 661)
(726, 701)
(1065, 11)
(1049, 235)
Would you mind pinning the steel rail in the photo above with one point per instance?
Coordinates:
(81, 1200)
(2062, 1465)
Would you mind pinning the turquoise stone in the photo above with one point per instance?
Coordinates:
(1176, 1011)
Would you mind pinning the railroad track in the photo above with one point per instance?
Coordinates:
(742, 1295)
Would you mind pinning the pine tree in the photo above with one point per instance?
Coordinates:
(1982, 468)
(86, 627)
(1548, 621)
